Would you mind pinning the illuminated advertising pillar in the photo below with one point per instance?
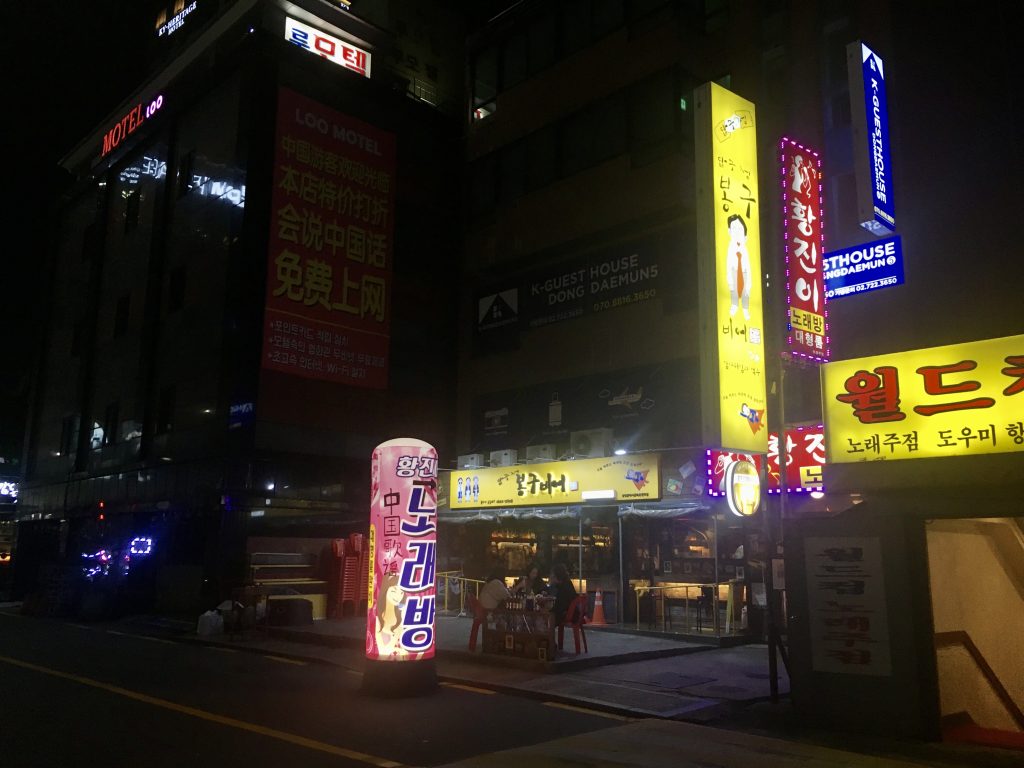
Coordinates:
(401, 595)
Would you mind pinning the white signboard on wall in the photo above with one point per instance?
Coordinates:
(846, 606)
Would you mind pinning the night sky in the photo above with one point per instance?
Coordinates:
(954, 97)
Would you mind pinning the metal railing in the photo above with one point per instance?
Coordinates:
(727, 592)
(455, 584)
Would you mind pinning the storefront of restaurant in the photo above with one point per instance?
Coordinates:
(639, 529)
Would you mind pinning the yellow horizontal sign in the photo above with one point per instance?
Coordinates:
(957, 400)
(615, 478)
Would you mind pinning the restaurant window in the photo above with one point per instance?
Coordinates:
(121, 315)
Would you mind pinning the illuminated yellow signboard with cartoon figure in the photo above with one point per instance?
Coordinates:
(614, 478)
(956, 400)
(733, 392)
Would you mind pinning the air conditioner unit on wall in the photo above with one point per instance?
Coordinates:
(504, 458)
(471, 460)
(545, 452)
(590, 443)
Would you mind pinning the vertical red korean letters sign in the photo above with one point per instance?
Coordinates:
(804, 246)
(328, 303)
(402, 595)
(957, 400)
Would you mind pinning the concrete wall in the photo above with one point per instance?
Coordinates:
(904, 702)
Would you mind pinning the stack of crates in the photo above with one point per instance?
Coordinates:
(352, 572)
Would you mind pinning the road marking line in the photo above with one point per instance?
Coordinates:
(154, 639)
(585, 711)
(468, 688)
(140, 637)
(283, 660)
(231, 722)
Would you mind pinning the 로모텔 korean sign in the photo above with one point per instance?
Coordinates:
(341, 52)
(630, 478)
(957, 400)
(733, 392)
(401, 599)
(869, 108)
(328, 313)
(804, 246)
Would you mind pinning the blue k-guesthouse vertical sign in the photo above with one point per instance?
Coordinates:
(872, 154)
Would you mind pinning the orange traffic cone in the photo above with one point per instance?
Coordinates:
(598, 619)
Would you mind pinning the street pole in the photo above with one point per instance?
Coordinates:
(770, 533)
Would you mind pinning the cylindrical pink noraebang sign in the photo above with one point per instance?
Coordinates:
(403, 542)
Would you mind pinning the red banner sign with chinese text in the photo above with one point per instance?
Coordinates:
(328, 312)
(804, 246)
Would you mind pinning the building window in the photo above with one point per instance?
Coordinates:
(110, 418)
(69, 435)
(485, 82)
(652, 111)
(512, 172)
(186, 172)
(76, 340)
(482, 185)
(514, 66)
(541, 158)
(542, 42)
(121, 316)
(165, 410)
(176, 289)
(132, 201)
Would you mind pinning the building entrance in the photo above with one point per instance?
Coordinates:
(976, 572)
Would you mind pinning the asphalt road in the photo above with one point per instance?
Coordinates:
(75, 694)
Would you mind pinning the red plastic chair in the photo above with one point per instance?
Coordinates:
(479, 618)
(575, 617)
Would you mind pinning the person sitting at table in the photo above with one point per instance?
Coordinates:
(531, 583)
(562, 588)
(493, 592)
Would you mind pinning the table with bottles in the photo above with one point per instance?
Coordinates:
(523, 626)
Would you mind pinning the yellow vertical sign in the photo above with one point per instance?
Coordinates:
(733, 392)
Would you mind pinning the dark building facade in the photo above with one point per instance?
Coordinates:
(251, 289)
